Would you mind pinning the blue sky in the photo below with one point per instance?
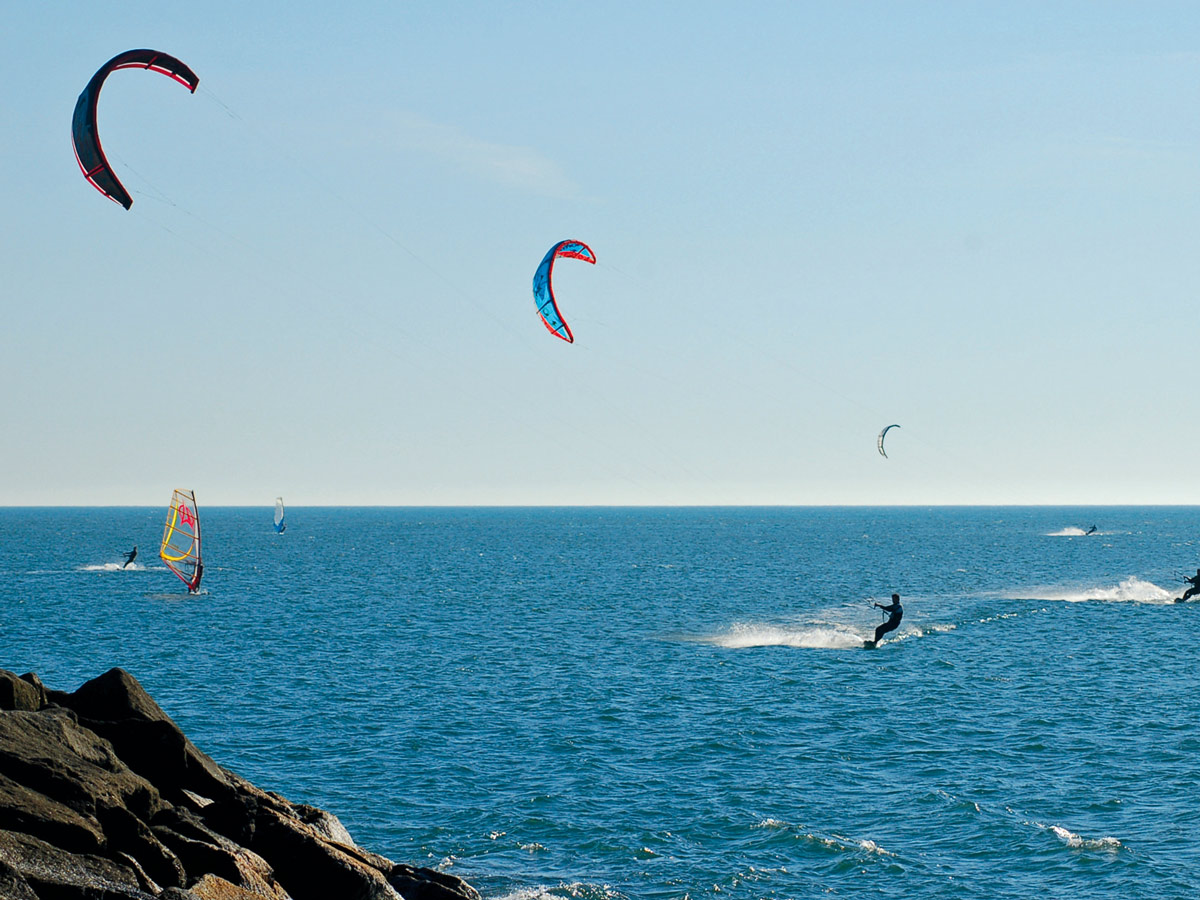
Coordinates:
(811, 219)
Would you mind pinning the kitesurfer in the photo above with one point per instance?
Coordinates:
(130, 557)
(895, 613)
(1090, 530)
(1194, 581)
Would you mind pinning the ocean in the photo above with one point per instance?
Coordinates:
(671, 703)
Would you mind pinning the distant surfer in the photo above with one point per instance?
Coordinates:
(895, 613)
(130, 557)
(1191, 592)
(1090, 530)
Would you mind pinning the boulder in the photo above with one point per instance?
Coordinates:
(30, 812)
(427, 884)
(18, 693)
(51, 753)
(312, 868)
(48, 871)
(117, 707)
(102, 797)
(213, 887)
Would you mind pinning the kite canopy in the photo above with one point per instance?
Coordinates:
(84, 136)
(543, 287)
(879, 440)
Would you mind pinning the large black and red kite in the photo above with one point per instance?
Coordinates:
(84, 136)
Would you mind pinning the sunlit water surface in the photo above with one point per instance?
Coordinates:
(670, 703)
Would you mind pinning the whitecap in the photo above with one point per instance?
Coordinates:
(1075, 841)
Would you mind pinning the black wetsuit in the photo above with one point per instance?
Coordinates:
(893, 622)
(1193, 590)
(194, 587)
(130, 557)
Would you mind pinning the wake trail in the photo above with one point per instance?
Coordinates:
(809, 635)
(1129, 590)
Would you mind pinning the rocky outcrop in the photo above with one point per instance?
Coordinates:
(102, 797)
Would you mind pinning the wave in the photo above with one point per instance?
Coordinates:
(1078, 842)
(1130, 590)
(118, 567)
(1073, 840)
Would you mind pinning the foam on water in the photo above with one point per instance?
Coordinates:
(1129, 590)
(1075, 841)
(575, 890)
(116, 567)
(810, 636)
(743, 635)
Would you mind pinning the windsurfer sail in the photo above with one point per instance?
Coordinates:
(280, 524)
(181, 540)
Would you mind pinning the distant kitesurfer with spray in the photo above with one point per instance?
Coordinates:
(1191, 592)
(130, 557)
(895, 613)
(1090, 531)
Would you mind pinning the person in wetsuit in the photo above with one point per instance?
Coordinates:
(1191, 592)
(1090, 530)
(895, 613)
(199, 575)
(130, 557)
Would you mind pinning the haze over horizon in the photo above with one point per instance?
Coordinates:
(810, 222)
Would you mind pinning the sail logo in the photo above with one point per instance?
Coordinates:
(185, 515)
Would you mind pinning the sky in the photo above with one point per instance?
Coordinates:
(811, 220)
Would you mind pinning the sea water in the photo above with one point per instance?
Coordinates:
(671, 703)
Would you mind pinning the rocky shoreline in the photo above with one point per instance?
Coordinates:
(103, 797)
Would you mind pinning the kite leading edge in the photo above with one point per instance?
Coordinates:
(879, 440)
(543, 287)
(86, 140)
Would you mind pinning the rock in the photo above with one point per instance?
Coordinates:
(30, 812)
(102, 797)
(427, 884)
(201, 849)
(311, 868)
(50, 753)
(117, 707)
(213, 887)
(18, 693)
(13, 886)
(50, 872)
(324, 823)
